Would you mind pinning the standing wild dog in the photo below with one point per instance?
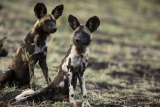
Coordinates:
(34, 49)
(72, 66)
(3, 51)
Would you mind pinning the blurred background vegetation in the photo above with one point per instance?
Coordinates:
(125, 50)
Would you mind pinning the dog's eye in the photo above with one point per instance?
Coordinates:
(46, 21)
(54, 21)
(76, 32)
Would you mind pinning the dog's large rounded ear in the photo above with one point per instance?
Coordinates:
(1, 43)
(3, 52)
(40, 10)
(93, 23)
(2, 40)
(73, 22)
(57, 11)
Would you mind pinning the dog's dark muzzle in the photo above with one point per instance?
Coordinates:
(54, 30)
(80, 41)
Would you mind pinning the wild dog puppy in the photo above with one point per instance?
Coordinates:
(33, 49)
(3, 51)
(72, 66)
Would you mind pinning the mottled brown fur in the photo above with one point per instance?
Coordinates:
(72, 66)
(33, 49)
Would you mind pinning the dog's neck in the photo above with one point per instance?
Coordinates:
(39, 34)
(37, 29)
(79, 51)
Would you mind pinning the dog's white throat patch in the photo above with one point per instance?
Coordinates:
(61, 84)
(38, 49)
(76, 60)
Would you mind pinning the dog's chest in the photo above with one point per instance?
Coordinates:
(39, 48)
(77, 61)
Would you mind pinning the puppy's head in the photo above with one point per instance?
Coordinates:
(82, 33)
(48, 21)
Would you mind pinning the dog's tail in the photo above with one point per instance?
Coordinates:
(29, 94)
(24, 95)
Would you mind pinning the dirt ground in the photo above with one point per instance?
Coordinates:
(124, 60)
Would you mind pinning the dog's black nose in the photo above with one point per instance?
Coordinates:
(55, 29)
(77, 40)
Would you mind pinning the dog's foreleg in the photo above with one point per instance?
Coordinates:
(43, 65)
(71, 89)
(83, 90)
(31, 72)
(70, 79)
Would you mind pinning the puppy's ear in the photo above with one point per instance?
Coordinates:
(2, 40)
(40, 10)
(73, 22)
(93, 23)
(3, 53)
(57, 11)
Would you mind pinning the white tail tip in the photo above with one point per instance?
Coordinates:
(23, 96)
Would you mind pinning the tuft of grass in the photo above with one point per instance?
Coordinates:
(11, 89)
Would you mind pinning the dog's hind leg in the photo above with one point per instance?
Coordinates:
(5, 77)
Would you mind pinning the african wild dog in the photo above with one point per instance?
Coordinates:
(72, 66)
(33, 49)
(3, 51)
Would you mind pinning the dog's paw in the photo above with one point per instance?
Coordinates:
(86, 104)
(33, 84)
(72, 101)
(33, 87)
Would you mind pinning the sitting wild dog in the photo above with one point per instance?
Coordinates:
(33, 49)
(72, 67)
(3, 51)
